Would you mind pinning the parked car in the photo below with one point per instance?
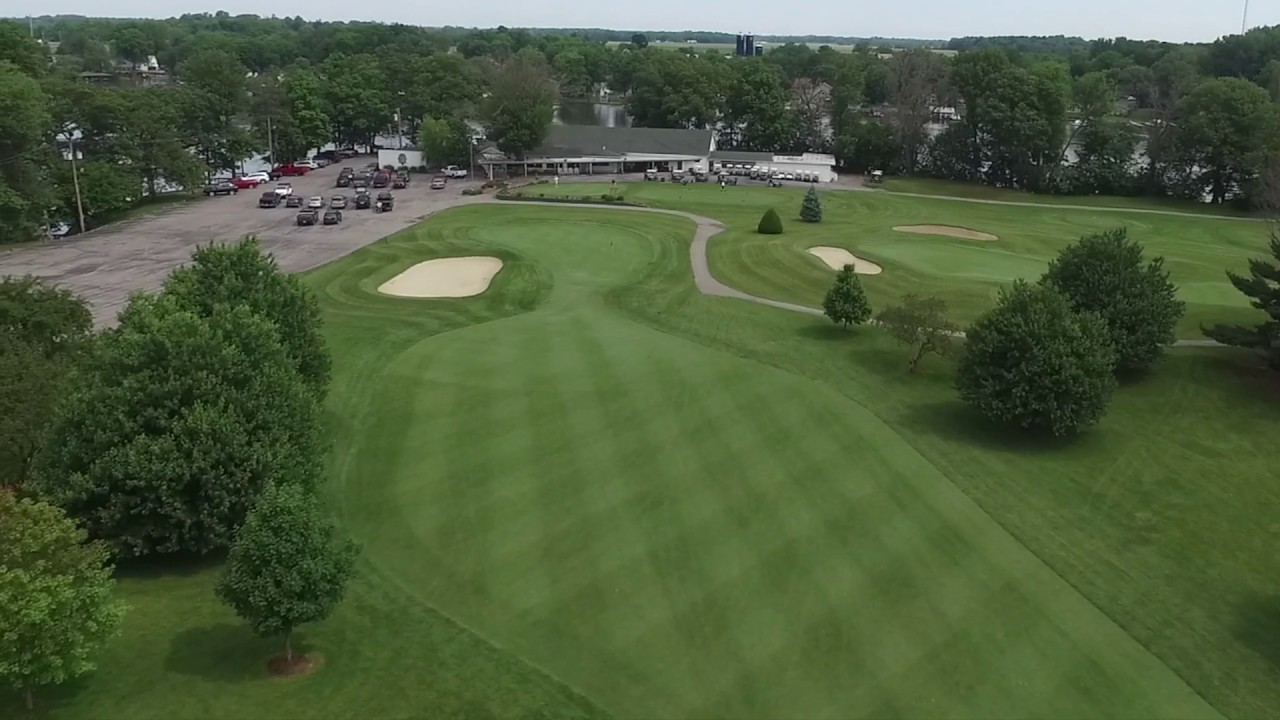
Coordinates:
(308, 163)
(338, 202)
(400, 183)
(220, 187)
(290, 170)
(308, 217)
(330, 155)
(347, 152)
(316, 202)
(343, 181)
(293, 201)
(321, 162)
(251, 181)
(332, 217)
(453, 171)
(385, 202)
(284, 189)
(437, 183)
(363, 201)
(269, 200)
(359, 183)
(381, 180)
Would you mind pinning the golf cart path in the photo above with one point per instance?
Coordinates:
(706, 283)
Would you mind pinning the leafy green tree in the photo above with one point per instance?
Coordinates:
(55, 589)
(521, 100)
(359, 98)
(131, 44)
(1262, 287)
(846, 302)
(1229, 126)
(21, 50)
(1105, 275)
(639, 40)
(1033, 362)
(571, 72)
(770, 223)
(922, 324)
(288, 566)
(446, 141)
(25, 122)
(306, 123)
(42, 331)
(757, 109)
(173, 424)
(241, 274)
(811, 210)
(214, 92)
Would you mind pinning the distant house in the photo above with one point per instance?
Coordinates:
(590, 149)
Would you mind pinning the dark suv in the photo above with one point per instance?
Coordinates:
(269, 200)
(308, 217)
(220, 187)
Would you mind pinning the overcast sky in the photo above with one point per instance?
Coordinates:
(1179, 20)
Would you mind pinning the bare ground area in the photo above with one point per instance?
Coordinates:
(836, 258)
(107, 265)
(453, 277)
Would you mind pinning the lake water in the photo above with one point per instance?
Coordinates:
(585, 112)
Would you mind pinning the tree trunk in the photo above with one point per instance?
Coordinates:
(915, 361)
(288, 648)
(31, 701)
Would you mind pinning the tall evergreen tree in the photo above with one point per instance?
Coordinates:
(1262, 286)
(846, 302)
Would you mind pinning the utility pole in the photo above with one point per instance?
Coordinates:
(271, 146)
(1244, 20)
(75, 181)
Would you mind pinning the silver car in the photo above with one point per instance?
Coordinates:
(338, 202)
(316, 203)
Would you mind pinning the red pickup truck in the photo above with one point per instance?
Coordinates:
(290, 170)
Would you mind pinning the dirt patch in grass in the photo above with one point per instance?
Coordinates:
(280, 666)
(947, 231)
(836, 258)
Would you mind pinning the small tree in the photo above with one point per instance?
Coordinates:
(56, 608)
(288, 565)
(846, 303)
(1034, 362)
(52, 319)
(241, 274)
(811, 210)
(1262, 287)
(920, 323)
(770, 223)
(1105, 275)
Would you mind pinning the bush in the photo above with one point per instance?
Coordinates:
(920, 323)
(1034, 362)
(1105, 274)
(770, 223)
(811, 210)
(472, 191)
(846, 302)
(172, 426)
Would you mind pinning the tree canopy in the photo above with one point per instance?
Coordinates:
(1262, 287)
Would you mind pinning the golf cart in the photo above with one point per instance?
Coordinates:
(877, 177)
(651, 175)
(385, 202)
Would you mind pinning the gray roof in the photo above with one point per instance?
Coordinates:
(565, 141)
(735, 156)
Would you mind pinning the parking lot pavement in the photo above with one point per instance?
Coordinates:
(106, 265)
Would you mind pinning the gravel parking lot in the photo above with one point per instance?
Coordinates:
(108, 264)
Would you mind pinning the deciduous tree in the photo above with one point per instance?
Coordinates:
(519, 108)
(1106, 275)
(921, 323)
(173, 424)
(1033, 362)
(846, 302)
(288, 566)
(56, 591)
(446, 141)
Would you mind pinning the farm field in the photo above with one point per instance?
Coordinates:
(966, 273)
(592, 491)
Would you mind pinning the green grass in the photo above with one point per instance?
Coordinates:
(592, 491)
(967, 274)
(975, 191)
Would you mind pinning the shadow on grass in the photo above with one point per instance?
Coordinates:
(179, 565)
(1257, 626)
(953, 420)
(226, 652)
(828, 331)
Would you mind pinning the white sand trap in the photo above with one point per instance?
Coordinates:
(948, 231)
(836, 258)
(444, 278)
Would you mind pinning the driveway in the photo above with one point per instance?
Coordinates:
(105, 266)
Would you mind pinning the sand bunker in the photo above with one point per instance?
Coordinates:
(444, 278)
(837, 258)
(947, 230)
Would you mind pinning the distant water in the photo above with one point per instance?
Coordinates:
(585, 112)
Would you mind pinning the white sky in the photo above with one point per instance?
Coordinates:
(1175, 20)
